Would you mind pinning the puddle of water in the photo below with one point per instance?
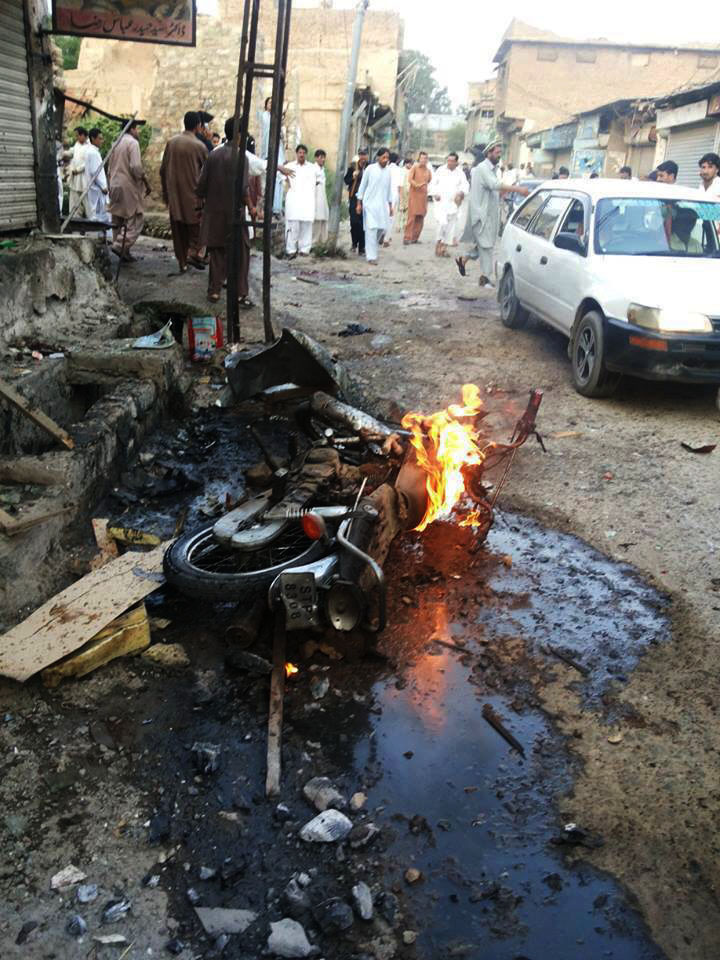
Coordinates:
(491, 872)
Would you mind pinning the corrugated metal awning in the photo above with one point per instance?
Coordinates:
(18, 200)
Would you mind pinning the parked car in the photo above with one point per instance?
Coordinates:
(627, 270)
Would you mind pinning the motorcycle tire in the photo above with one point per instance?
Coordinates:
(198, 566)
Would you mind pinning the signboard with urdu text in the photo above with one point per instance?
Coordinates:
(144, 21)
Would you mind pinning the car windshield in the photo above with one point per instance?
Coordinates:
(657, 227)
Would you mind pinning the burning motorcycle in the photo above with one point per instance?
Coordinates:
(315, 541)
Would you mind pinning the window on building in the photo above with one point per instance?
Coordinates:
(545, 221)
(585, 56)
(487, 114)
(547, 53)
(707, 63)
(528, 210)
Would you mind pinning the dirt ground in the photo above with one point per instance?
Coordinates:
(614, 474)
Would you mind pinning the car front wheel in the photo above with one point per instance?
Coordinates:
(590, 376)
(512, 314)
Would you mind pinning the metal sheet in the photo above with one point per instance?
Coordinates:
(18, 200)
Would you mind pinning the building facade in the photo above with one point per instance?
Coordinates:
(480, 116)
(688, 126)
(161, 82)
(543, 79)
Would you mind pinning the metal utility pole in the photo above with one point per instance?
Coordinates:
(334, 221)
(250, 69)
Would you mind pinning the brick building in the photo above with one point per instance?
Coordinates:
(543, 79)
(480, 116)
(162, 82)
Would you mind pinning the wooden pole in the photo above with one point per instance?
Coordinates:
(37, 416)
(277, 693)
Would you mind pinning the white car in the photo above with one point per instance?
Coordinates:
(629, 271)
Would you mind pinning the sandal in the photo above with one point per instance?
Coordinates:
(213, 297)
(245, 304)
(461, 266)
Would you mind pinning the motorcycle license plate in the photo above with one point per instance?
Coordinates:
(299, 594)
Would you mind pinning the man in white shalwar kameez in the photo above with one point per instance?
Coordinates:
(322, 211)
(449, 187)
(375, 201)
(77, 179)
(98, 190)
(300, 205)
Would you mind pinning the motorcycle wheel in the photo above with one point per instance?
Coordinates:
(198, 566)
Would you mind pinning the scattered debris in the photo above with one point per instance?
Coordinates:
(218, 920)
(167, 655)
(110, 939)
(115, 910)
(319, 686)
(570, 661)
(295, 900)
(496, 723)
(333, 915)
(326, 827)
(413, 875)
(288, 939)
(362, 834)
(86, 893)
(358, 801)
(409, 937)
(698, 448)
(616, 737)
(68, 877)
(206, 757)
(76, 926)
(575, 836)
(69, 619)
(354, 330)
(37, 416)
(362, 897)
(175, 946)
(322, 794)
(129, 634)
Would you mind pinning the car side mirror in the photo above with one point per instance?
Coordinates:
(571, 242)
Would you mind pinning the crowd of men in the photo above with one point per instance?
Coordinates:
(384, 196)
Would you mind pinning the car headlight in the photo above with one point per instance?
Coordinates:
(668, 321)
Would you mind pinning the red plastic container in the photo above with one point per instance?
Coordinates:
(205, 335)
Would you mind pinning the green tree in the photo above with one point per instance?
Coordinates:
(416, 77)
(70, 48)
(456, 137)
(111, 129)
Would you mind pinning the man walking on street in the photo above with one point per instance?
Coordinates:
(96, 202)
(322, 211)
(449, 186)
(180, 169)
(709, 179)
(300, 205)
(128, 189)
(418, 180)
(485, 191)
(375, 203)
(353, 179)
(77, 178)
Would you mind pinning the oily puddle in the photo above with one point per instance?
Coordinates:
(472, 814)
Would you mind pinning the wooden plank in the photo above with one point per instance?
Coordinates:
(74, 616)
(37, 416)
(275, 719)
(130, 633)
(11, 526)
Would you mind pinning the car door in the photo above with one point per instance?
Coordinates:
(566, 275)
(514, 242)
(539, 255)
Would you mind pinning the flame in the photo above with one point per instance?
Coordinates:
(290, 669)
(445, 443)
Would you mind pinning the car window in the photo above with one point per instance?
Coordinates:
(657, 227)
(528, 210)
(574, 221)
(544, 223)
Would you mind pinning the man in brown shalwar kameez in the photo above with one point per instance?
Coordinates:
(180, 169)
(418, 180)
(128, 188)
(215, 188)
